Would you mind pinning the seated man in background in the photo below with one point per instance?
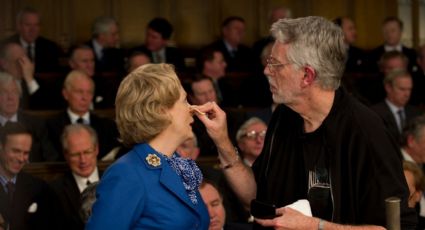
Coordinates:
(239, 58)
(80, 150)
(78, 92)
(250, 139)
(26, 202)
(82, 58)
(158, 34)
(214, 202)
(392, 29)
(10, 91)
(14, 61)
(137, 59)
(394, 110)
(44, 53)
(105, 44)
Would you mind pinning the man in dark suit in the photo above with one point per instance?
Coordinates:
(25, 201)
(394, 110)
(418, 95)
(355, 56)
(158, 33)
(44, 53)
(82, 58)
(213, 199)
(105, 43)
(42, 149)
(392, 29)
(238, 57)
(14, 61)
(78, 91)
(81, 148)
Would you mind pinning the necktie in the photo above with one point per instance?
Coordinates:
(29, 52)
(402, 119)
(80, 120)
(10, 191)
(88, 182)
(159, 58)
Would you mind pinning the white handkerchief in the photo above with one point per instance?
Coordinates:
(302, 206)
(33, 208)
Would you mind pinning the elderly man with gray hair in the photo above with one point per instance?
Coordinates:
(321, 145)
(105, 44)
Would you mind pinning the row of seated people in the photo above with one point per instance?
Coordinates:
(239, 57)
(57, 205)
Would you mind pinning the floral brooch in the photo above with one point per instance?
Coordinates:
(153, 160)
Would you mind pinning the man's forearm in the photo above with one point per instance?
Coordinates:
(239, 176)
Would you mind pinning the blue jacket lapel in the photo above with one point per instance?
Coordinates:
(168, 177)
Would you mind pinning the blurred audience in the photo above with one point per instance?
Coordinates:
(355, 56)
(392, 29)
(238, 57)
(137, 59)
(250, 139)
(14, 61)
(44, 53)
(158, 34)
(10, 91)
(78, 92)
(26, 201)
(105, 43)
(213, 199)
(394, 110)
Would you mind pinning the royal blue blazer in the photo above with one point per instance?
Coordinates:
(135, 193)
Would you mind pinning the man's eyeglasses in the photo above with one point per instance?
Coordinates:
(254, 134)
(87, 152)
(273, 64)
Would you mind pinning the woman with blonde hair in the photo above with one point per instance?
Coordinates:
(151, 187)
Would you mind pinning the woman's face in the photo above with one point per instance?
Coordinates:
(181, 117)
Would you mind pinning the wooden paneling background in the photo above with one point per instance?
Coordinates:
(196, 22)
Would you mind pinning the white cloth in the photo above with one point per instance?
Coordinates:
(302, 206)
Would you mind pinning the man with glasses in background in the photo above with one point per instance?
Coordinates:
(80, 149)
(321, 145)
(250, 139)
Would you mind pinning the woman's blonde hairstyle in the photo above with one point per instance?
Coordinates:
(142, 100)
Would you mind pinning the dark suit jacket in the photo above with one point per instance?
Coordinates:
(355, 60)
(106, 129)
(69, 196)
(112, 59)
(376, 54)
(388, 118)
(47, 54)
(30, 191)
(42, 149)
(243, 60)
(172, 56)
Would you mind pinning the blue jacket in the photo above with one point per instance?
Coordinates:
(136, 194)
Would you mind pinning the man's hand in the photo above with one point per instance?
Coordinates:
(27, 68)
(289, 218)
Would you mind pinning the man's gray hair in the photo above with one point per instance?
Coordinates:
(315, 42)
(243, 129)
(394, 74)
(102, 25)
(6, 78)
(74, 128)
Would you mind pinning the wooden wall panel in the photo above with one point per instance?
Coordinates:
(133, 18)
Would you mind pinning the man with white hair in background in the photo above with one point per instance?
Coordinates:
(105, 44)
